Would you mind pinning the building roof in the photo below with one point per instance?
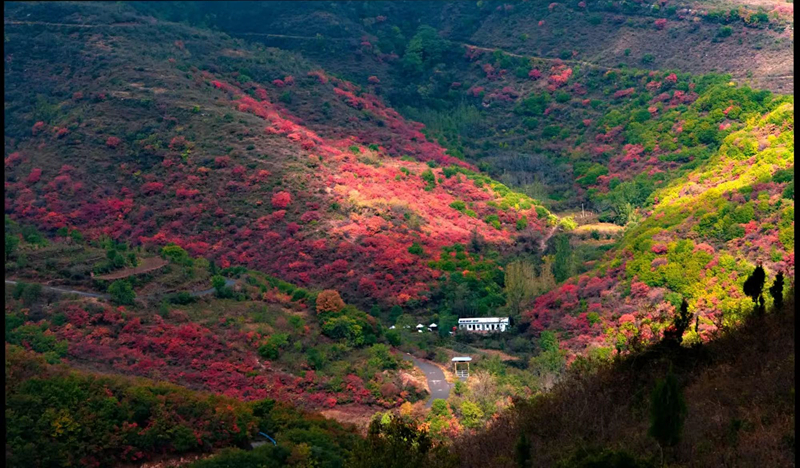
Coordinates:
(433, 325)
(482, 319)
(420, 326)
(461, 359)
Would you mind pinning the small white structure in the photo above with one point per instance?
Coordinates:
(484, 324)
(392, 327)
(432, 327)
(461, 373)
(420, 327)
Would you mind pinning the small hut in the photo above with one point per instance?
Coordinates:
(461, 373)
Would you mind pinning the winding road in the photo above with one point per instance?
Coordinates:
(437, 383)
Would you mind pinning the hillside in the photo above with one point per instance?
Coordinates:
(226, 218)
(678, 34)
(195, 141)
(739, 395)
(252, 337)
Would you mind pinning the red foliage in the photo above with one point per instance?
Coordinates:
(178, 143)
(222, 161)
(151, 188)
(660, 23)
(13, 159)
(113, 142)
(476, 91)
(659, 249)
(319, 75)
(534, 74)
(38, 127)
(34, 176)
(639, 289)
(624, 92)
(281, 199)
(373, 80)
(559, 75)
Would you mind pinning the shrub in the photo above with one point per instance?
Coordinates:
(471, 414)
(121, 292)
(281, 200)
(329, 301)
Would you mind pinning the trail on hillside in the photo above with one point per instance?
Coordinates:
(67, 291)
(228, 282)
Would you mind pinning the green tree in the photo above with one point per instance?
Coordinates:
(424, 50)
(393, 337)
(548, 365)
(439, 407)
(12, 242)
(28, 293)
(754, 286)
(399, 444)
(446, 324)
(176, 254)
(776, 291)
(667, 411)
(680, 323)
(471, 414)
(564, 262)
(121, 292)
(218, 283)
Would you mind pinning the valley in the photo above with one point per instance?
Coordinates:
(240, 217)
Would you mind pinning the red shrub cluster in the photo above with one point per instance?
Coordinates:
(281, 199)
(113, 142)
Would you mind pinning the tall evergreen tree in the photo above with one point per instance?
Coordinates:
(522, 451)
(564, 264)
(674, 333)
(667, 411)
(754, 284)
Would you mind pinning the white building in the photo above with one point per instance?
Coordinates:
(484, 324)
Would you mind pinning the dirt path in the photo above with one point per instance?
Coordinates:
(543, 242)
(67, 291)
(147, 265)
(228, 282)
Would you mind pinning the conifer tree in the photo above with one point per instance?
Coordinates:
(776, 291)
(667, 411)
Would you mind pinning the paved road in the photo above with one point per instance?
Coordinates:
(436, 382)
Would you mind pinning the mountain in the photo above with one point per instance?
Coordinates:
(221, 218)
